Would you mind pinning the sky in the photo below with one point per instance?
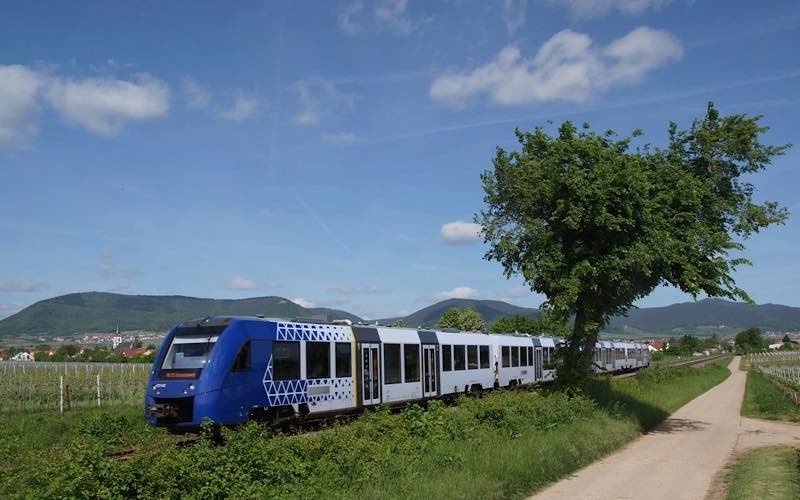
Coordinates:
(331, 152)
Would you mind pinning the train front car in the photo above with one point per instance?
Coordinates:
(232, 369)
(203, 371)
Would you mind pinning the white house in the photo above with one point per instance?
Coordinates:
(22, 356)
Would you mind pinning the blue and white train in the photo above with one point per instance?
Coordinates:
(233, 369)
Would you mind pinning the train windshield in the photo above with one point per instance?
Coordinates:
(187, 355)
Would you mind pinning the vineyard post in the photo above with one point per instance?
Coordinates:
(61, 394)
(98, 390)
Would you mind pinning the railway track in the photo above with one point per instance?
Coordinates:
(699, 362)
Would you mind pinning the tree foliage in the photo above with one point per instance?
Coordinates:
(750, 340)
(467, 319)
(594, 224)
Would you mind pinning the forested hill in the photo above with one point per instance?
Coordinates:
(704, 317)
(707, 316)
(101, 312)
(490, 311)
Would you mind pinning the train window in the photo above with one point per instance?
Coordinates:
(530, 356)
(458, 357)
(447, 358)
(344, 363)
(484, 356)
(285, 360)
(391, 361)
(318, 360)
(242, 361)
(523, 356)
(411, 360)
(472, 357)
(515, 356)
(506, 356)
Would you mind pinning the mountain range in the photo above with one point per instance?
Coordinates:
(92, 312)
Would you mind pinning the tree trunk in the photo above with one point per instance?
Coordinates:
(578, 355)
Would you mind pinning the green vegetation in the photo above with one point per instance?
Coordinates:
(750, 340)
(466, 320)
(507, 445)
(542, 324)
(595, 225)
(763, 400)
(771, 473)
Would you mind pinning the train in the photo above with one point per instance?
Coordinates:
(229, 370)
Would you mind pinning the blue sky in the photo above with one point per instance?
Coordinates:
(326, 152)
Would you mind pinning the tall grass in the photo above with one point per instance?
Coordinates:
(506, 445)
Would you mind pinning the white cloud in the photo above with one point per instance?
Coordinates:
(353, 290)
(461, 233)
(197, 96)
(22, 286)
(317, 97)
(104, 105)
(19, 87)
(340, 138)
(566, 67)
(308, 114)
(242, 109)
(346, 20)
(239, 283)
(392, 13)
(100, 105)
(597, 8)
(459, 292)
(300, 301)
(514, 14)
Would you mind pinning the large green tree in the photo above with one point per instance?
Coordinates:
(467, 319)
(750, 340)
(595, 224)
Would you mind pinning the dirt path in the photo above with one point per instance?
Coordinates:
(680, 457)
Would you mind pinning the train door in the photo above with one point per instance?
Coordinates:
(429, 371)
(370, 374)
(538, 362)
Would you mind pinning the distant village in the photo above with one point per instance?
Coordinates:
(128, 346)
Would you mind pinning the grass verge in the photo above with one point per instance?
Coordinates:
(770, 473)
(506, 445)
(763, 400)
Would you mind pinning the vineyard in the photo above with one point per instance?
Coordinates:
(782, 368)
(63, 386)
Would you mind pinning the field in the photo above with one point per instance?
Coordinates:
(37, 386)
(508, 444)
(765, 473)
